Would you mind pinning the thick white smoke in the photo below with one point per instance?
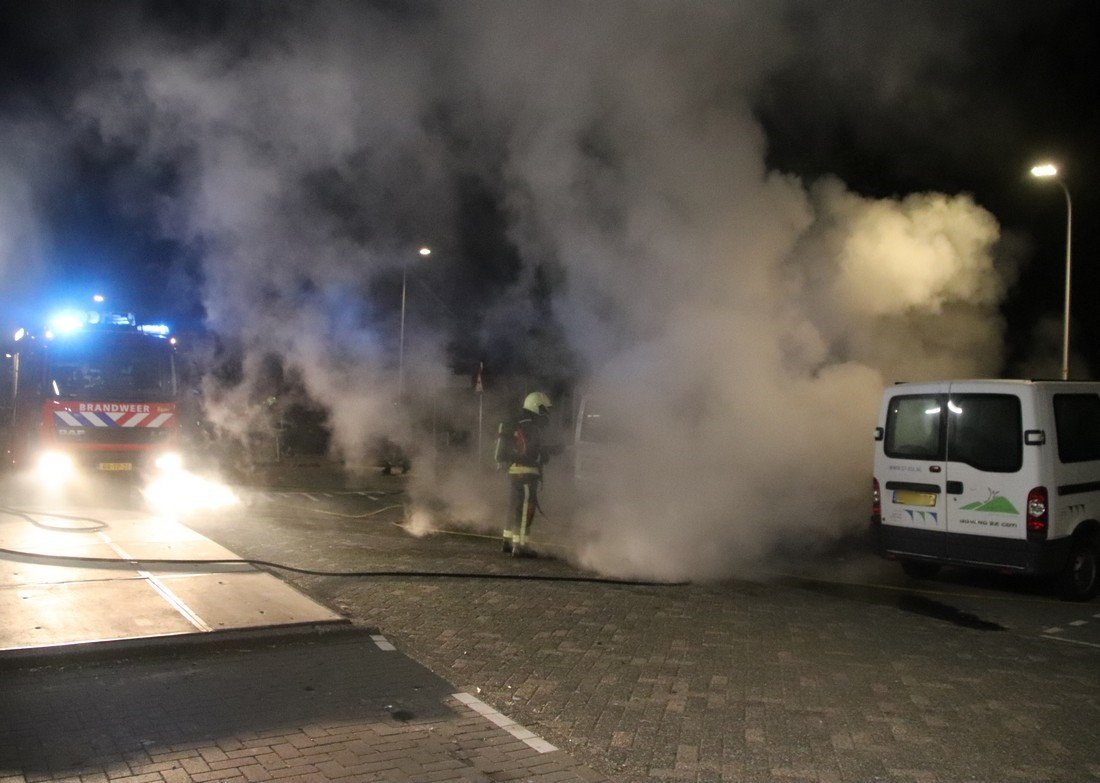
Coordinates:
(306, 172)
(754, 418)
(741, 326)
(743, 322)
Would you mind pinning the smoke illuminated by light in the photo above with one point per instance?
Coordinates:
(55, 468)
(743, 320)
(179, 493)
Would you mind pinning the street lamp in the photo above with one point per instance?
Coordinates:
(1050, 171)
(425, 252)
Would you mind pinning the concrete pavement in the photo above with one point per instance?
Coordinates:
(77, 575)
(114, 667)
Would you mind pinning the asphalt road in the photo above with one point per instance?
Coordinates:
(826, 668)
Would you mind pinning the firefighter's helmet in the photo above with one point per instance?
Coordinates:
(537, 402)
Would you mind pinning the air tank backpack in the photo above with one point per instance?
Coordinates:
(511, 444)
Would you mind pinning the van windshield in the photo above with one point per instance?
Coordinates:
(980, 430)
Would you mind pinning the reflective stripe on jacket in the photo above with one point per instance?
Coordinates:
(523, 470)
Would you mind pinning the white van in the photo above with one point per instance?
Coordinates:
(991, 474)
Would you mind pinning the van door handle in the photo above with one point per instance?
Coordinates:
(954, 487)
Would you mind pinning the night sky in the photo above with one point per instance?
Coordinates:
(730, 223)
(892, 98)
(993, 88)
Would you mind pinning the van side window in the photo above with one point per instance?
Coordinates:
(914, 427)
(986, 432)
(1077, 419)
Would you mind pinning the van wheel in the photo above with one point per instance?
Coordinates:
(920, 569)
(1080, 580)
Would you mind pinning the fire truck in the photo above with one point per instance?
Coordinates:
(92, 393)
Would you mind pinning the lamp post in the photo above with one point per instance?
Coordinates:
(425, 252)
(1050, 171)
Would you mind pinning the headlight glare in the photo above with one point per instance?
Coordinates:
(55, 466)
(169, 462)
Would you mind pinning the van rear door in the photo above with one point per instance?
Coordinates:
(986, 492)
(914, 449)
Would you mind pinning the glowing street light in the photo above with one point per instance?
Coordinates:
(424, 252)
(1050, 171)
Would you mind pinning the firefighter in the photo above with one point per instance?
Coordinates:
(527, 452)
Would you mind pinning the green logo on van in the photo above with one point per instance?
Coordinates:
(994, 505)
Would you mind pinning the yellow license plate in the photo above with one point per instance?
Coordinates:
(907, 497)
(116, 466)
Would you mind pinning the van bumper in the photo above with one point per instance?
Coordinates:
(1026, 557)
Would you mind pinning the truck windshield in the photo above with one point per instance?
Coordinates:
(112, 367)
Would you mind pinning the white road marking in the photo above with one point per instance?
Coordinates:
(382, 642)
(1071, 641)
(519, 732)
(1080, 622)
(1055, 629)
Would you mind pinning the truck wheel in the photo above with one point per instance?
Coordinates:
(1080, 580)
(920, 569)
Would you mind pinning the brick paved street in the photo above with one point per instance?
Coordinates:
(741, 681)
(747, 680)
(303, 707)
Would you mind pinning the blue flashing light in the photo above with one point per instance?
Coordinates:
(68, 322)
(117, 319)
(160, 330)
(20, 333)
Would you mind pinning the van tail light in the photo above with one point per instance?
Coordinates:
(1038, 516)
(876, 503)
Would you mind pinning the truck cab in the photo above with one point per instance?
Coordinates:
(98, 396)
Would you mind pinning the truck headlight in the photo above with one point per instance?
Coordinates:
(169, 462)
(55, 466)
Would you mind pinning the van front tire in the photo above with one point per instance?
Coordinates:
(1080, 581)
